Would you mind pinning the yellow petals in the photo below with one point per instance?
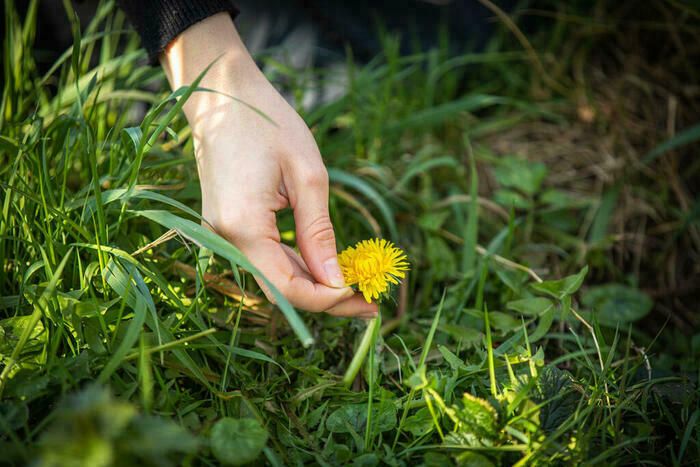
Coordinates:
(372, 265)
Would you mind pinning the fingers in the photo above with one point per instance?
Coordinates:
(271, 260)
(355, 307)
(315, 235)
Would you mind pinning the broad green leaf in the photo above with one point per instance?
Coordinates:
(543, 325)
(512, 198)
(615, 304)
(237, 441)
(441, 258)
(562, 287)
(453, 360)
(12, 328)
(503, 322)
(533, 306)
(354, 417)
(419, 423)
(556, 393)
(520, 174)
(432, 221)
(477, 417)
(468, 335)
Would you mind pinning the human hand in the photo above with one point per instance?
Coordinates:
(250, 168)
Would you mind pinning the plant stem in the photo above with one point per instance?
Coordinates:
(371, 380)
(360, 353)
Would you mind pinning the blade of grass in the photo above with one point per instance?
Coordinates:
(205, 237)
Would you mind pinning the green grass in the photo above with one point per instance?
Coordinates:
(525, 333)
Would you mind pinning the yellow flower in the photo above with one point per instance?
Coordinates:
(373, 265)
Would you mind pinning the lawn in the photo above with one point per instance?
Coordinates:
(545, 190)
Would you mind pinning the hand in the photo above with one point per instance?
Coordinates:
(250, 168)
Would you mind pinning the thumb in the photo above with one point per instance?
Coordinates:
(315, 235)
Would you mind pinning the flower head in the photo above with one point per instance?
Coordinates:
(373, 265)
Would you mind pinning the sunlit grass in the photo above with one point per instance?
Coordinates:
(130, 332)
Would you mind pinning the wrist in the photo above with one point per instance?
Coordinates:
(215, 43)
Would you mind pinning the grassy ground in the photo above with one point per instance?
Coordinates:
(544, 190)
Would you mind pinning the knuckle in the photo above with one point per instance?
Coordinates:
(231, 225)
(314, 178)
(321, 230)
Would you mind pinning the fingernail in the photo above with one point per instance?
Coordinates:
(333, 274)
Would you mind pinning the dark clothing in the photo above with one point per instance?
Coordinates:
(335, 23)
(158, 22)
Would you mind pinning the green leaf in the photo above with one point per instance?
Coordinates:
(686, 136)
(473, 459)
(562, 287)
(453, 360)
(512, 198)
(205, 237)
(424, 167)
(615, 304)
(237, 441)
(419, 423)
(606, 209)
(471, 229)
(467, 335)
(477, 417)
(354, 417)
(533, 306)
(558, 397)
(139, 301)
(432, 221)
(366, 460)
(136, 293)
(12, 328)
(257, 356)
(543, 325)
(155, 438)
(13, 415)
(353, 181)
(431, 333)
(435, 115)
(520, 174)
(441, 258)
(503, 321)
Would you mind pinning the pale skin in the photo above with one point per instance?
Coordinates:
(250, 168)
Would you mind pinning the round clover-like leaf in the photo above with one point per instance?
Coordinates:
(616, 304)
(237, 441)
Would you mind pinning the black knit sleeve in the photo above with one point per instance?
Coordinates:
(160, 21)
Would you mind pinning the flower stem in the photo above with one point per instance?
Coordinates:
(360, 353)
(371, 380)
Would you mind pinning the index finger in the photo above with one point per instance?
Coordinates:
(268, 256)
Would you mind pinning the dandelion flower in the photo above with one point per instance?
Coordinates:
(373, 265)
